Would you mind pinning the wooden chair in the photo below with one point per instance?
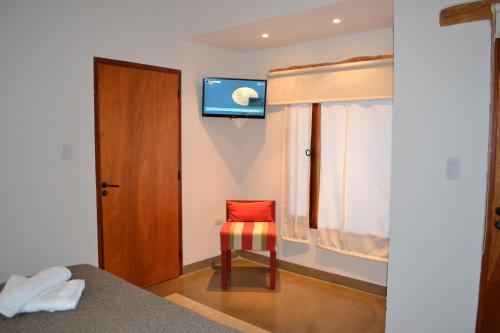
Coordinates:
(251, 225)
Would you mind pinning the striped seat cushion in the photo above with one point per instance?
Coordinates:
(259, 236)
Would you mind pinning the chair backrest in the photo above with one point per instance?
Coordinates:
(272, 203)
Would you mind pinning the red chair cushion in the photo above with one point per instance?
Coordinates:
(258, 211)
(258, 236)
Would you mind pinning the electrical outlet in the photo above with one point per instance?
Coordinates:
(67, 151)
(218, 221)
(454, 168)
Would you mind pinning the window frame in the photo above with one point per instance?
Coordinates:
(315, 155)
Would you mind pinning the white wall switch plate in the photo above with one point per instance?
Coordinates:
(454, 168)
(67, 153)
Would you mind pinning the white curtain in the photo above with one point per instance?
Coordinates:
(355, 171)
(296, 139)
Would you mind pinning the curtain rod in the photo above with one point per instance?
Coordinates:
(324, 64)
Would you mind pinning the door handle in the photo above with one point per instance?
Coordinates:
(497, 211)
(497, 224)
(104, 185)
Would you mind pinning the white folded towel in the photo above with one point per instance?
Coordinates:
(62, 297)
(14, 299)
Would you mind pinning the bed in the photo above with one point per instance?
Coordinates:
(110, 304)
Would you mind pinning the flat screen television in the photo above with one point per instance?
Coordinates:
(234, 98)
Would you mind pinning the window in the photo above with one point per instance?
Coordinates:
(337, 164)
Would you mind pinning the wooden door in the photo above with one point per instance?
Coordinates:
(488, 319)
(137, 117)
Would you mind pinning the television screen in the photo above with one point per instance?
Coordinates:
(234, 98)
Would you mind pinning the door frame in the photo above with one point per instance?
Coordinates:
(489, 216)
(97, 61)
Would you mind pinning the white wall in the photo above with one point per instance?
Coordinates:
(442, 91)
(47, 205)
(261, 144)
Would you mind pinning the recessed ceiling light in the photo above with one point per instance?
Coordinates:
(264, 35)
(336, 20)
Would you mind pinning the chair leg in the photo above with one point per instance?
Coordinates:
(272, 265)
(223, 262)
(229, 261)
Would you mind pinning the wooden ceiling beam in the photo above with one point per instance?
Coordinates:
(347, 61)
(467, 12)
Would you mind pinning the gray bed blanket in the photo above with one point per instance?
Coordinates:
(110, 304)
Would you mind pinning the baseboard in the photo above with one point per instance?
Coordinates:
(345, 281)
(210, 262)
(318, 274)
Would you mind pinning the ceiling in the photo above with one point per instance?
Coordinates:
(302, 26)
(198, 17)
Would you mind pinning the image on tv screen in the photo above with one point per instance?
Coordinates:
(234, 97)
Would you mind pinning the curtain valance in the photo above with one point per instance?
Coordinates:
(343, 81)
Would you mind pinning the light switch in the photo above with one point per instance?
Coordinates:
(454, 168)
(67, 153)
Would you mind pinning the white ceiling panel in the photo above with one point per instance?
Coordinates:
(302, 26)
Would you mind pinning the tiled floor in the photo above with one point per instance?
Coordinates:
(299, 304)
